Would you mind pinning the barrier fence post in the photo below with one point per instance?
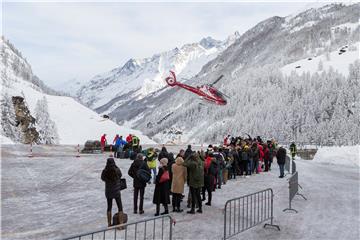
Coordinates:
(78, 151)
(31, 151)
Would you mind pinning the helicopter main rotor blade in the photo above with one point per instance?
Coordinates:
(218, 79)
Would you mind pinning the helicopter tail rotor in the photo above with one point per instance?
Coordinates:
(171, 80)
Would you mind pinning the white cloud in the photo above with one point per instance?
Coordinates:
(67, 40)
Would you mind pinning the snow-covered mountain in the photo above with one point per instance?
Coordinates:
(70, 87)
(269, 95)
(22, 94)
(139, 78)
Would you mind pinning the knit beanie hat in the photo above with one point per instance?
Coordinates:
(164, 161)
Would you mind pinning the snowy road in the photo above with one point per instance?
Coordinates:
(55, 195)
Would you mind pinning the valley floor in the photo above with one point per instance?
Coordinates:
(54, 195)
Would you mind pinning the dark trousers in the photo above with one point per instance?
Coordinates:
(118, 203)
(195, 197)
(267, 165)
(209, 192)
(176, 199)
(136, 194)
(281, 166)
(249, 167)
(158, 208)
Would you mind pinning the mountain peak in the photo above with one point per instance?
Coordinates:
(209, 42)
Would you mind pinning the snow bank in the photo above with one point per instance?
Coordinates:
(347, 155)
(5, 140)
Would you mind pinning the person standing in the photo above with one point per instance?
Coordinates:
(111, 176)
(266, 157)
(135, 141)
(281, 155)
(163, 153)
(103, 142)
(209, 177)
(162, 188)
(129, 138)
(195, 168)
(120, 144)
(220, 163)
(254, 155)
(293, 150)
(139, 171)
(114, 142)
(179, 176)
(151, 162)
(188, 152)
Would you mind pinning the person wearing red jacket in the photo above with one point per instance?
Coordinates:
(261, 156)
(129, 138)
(103, 142)
(115, 139)
(266, 157)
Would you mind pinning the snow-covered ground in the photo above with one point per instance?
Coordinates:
(338, 62)
(56, 195)
(6, 140)
(346, 155)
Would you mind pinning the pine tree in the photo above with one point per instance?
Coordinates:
(45, 126)
(9, 125)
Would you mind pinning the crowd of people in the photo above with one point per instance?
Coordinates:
(119, 144)
(203, 171)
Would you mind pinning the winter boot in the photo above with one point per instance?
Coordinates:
(192, 211)
(109, 218)
(157, 210)
(166, 210)
(121, 220)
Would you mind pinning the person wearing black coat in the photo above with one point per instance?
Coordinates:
(111, 176)
(254, 154)
(171, 161)
(235, 164)
(281, 155)
(188, 152)
(162, 188)
(163, 153)
(209, 177)
(138, 184)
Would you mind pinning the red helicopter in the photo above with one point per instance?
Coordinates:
(206, 92)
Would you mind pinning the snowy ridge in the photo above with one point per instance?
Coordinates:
(346, 155)
(141, 77)
(75, 123)
(334, 60)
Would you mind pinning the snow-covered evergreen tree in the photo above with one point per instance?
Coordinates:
(45, 126)
(9, 125)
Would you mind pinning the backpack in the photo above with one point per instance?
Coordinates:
(143, 175)
(124, 218)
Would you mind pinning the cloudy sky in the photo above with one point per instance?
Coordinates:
(64, 41)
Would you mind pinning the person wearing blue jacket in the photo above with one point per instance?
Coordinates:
(119, 144)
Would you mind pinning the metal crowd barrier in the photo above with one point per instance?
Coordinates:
(293, 190)
(151, 228)
(293, 170)
(287, 164)
(248, 211)
(293, 167)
